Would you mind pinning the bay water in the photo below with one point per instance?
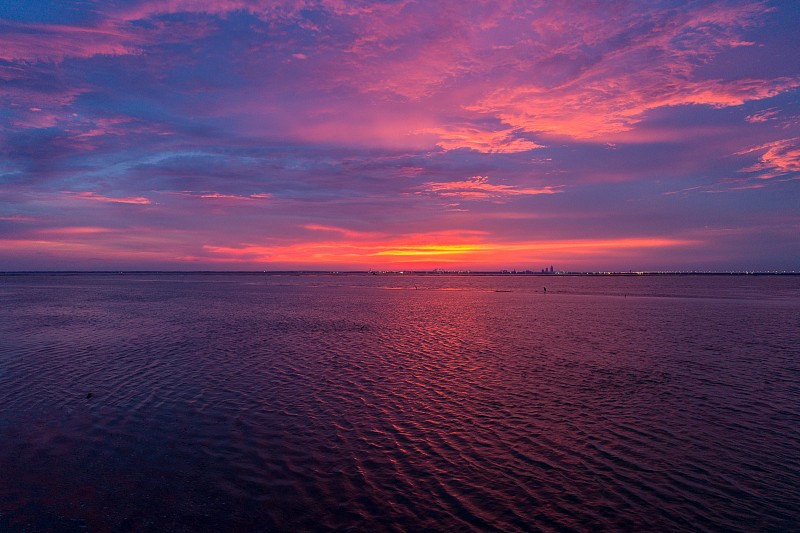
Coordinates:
(262, 402)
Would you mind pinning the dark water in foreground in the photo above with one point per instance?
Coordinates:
(260, 403)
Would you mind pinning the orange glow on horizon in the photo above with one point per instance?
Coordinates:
(345, 249)
(352, 250)
(414, 252)
(443, 250)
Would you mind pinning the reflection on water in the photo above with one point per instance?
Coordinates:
(251, 403)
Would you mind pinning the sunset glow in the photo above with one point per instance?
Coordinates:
(282, 135)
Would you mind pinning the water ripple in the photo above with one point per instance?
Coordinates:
(232, 403)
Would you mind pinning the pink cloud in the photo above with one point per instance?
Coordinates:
(74, 231)
(721, 186)
(147, 9)
(18, 218)
(589, 72)
(763, 116)
(599, 109)
(342, 231)
(209, 195)
(92, 196)
(35, 108)
(550, 70)
(778, 158)
(630, 71)
(48, 42)
(479, 188)
(489, 142)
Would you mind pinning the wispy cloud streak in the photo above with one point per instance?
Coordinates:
(94, 197)
(479, 188)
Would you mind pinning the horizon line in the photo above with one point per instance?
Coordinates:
(436, 272)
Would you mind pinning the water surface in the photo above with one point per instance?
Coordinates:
(399, 403)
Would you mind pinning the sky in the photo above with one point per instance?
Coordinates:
(399, 135)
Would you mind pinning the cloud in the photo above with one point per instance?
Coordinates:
(596, 110)
(209, 195)
(763, 116)
(490, 142)
(342, 231)
(479, 188)
(600, 76)
(386, 72)
(777, 158)
(778, 161)
(49, 42)
(720, 186)
(73, 230)
(17, 218)
(94, 197)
